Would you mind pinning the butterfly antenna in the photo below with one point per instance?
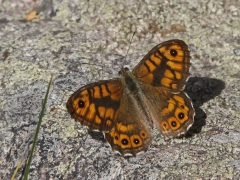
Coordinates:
(130, 44)
(122, 69)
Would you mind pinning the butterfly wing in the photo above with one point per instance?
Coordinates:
(166, 66)
(166, 69)
(130, 135)
(105, 107)
(173, 114)
(177, 114)
(95, 105)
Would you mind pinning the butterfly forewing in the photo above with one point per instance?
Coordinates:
(95, 105)
(165, 66)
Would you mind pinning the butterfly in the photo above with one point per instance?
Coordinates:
(127, 108)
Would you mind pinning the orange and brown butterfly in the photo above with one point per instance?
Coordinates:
(127, 108)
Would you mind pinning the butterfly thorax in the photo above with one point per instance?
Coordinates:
(134, 97)
(128, 80)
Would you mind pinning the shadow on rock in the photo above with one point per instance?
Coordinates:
(201, 90)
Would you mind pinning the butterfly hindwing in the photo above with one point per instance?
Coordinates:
(131, 133)
(173, 114)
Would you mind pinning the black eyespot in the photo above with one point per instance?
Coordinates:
(124, 141)
(116, 137)
(173, 52)
(182, 106)
(143, 134)
(81, 104)
(136, 141)
(180, 115)
(174, 124)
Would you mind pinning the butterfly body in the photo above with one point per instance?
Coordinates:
(126, 109)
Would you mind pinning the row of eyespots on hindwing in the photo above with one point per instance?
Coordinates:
(179, 115)
(125, 141)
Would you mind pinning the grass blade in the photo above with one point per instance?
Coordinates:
(37, 131)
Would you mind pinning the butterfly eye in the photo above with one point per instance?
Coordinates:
(124, 69)
(173, 52)
(81, 104)
(181, 115)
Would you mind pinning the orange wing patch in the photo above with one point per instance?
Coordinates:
(168, 51)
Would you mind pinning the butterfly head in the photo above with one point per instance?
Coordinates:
(123, 71)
